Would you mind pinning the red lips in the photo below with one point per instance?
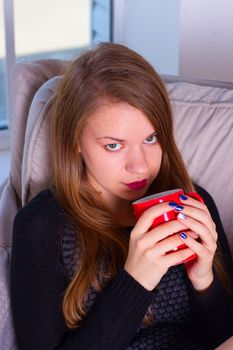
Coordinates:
(137, 185)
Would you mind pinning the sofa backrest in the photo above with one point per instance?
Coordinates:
(203, 124)
(26, 79)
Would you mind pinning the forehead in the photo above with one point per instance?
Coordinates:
(120, 119)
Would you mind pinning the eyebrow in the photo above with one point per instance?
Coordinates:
(111, 138)
(120, 140)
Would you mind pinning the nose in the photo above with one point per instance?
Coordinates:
(136, 162)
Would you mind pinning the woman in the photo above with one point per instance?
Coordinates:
(85, 274)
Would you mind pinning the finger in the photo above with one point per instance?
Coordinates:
(191, 202)
(169, 244)
(145, 221)
(161, 232)
(193, 216)
(194, 235)
(201, 250)
(178, 257)
(198, 214)
(204, 233)
(194, 203)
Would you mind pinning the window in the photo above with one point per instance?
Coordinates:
(39, 29)
(51, 28)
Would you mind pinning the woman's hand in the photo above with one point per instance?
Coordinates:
(147, 260)
(196, 217)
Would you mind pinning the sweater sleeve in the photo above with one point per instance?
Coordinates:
(213, 310)
(38, 282)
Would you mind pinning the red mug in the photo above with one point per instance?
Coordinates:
(140, 205)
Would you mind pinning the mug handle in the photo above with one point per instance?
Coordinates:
(195, 196)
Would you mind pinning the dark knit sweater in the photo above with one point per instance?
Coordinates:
(45, 255)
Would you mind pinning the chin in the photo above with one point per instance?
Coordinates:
(134, 195)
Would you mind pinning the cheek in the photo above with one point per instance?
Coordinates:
(91, 160)
(156, 155)
(160, 156)
(98, 162)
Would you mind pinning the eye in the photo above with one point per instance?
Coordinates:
(152, 139)
(113, 147)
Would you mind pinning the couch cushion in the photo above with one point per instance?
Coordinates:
(8, 210)
(36, 166)
(203, 122)
(26, 78)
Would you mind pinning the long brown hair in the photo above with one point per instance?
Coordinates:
(114, 73)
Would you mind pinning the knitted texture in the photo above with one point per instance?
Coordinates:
(172, 328)
(45, 256)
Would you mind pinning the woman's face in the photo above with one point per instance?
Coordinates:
(121, 152)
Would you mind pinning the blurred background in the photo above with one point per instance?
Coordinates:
(191, 38)
(40, 29)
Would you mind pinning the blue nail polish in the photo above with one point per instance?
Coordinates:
(183, 197)
(179, 208)
(172, 204)
(181, 216)
(183, 235)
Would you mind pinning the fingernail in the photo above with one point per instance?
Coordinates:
(172, 204)
(183, 197)
(179, 208)
(183, 235)
(181, 216)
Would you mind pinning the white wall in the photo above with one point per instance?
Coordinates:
(192, 38)
(207, 39)
(150, 27)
